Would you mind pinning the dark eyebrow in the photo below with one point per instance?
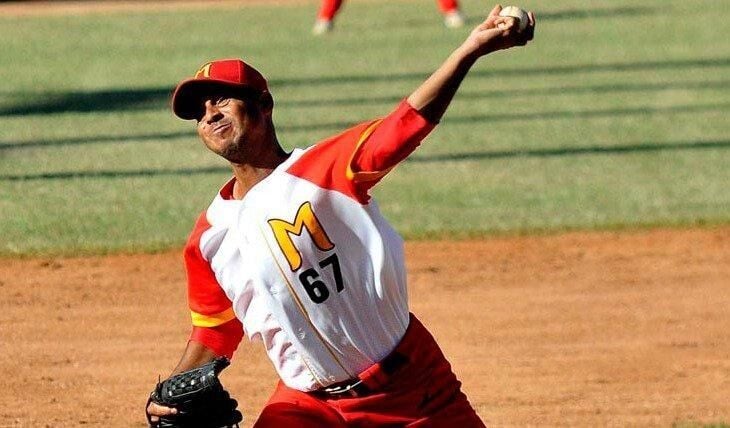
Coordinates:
(245, 94)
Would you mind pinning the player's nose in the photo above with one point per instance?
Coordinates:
(212, 112)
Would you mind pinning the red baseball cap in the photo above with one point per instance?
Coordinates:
(214, 76)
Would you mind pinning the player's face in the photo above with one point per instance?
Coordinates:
(229, 126)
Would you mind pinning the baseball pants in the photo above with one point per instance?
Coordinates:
(414, 386)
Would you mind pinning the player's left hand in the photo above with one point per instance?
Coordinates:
(193, 399)
(497, 33)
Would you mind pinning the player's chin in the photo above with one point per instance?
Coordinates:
(214, 144)
(233, 153)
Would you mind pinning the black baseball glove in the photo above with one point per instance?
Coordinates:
(200, 399)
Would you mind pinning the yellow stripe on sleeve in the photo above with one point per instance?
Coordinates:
(200, 320)
(364, 175)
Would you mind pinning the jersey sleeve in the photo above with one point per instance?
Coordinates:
(385, 143)
(214, 323)
(355, 160)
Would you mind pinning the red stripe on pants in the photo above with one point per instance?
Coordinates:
(423, 392)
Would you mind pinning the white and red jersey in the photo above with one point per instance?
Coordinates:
(305, 262)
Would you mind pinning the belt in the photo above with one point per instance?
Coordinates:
(356, 387)
(349, 388)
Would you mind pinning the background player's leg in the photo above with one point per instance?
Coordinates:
(326, 15)
(328, 9)
(453, 18)
(448, 5)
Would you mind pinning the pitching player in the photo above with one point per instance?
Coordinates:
(293, 252)
(453, 18)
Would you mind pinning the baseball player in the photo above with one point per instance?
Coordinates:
(453, 18)
(294, 252)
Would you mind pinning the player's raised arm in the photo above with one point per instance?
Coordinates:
(496, 33)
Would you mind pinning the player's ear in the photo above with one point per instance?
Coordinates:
(266, 103)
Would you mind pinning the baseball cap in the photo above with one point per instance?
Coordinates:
(214, 76)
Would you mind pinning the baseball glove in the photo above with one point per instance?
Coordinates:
(200, 399)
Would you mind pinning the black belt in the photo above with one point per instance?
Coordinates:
(349, 388)
(356, 387)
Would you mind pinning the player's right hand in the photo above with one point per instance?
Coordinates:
(155, 410)
(497, 33)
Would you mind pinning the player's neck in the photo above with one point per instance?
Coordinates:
(248, 175)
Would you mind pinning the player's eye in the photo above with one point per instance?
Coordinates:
(199, 113)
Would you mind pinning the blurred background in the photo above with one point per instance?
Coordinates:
(615, 117)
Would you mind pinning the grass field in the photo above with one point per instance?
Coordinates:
(616, 117)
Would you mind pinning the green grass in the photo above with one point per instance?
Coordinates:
(615, 117)
(699, 425)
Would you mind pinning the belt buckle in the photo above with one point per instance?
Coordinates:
(344, 389)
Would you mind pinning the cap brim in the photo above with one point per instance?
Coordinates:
(189, 94)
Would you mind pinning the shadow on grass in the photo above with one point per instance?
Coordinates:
(98, 139)
(589, 114)
(548, 115)
(558, 152)
(573, 151)
(520, 117)
(158, 98)
(88, 102)
(474, 18)
(341, 125)
(516, 72)
(586, 13)
(58, 142)
(517, 92)
(116, 174)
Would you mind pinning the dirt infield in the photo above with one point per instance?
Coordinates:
(575, 330)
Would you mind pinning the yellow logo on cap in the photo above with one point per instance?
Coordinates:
(204, 71)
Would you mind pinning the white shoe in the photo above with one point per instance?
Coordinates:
(322, 26)
(454, 19)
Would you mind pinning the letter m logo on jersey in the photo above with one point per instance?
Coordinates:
(305, 219)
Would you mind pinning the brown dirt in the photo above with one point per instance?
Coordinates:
(582, 329)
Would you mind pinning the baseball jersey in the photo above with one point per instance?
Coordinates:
(305, 262)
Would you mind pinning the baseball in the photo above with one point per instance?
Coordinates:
(517, 13)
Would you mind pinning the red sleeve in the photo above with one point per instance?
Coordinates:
(355, 160)
(222, 339)
(386, 143)
(214, 323)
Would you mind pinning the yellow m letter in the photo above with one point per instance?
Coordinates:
(204, 71)
(305, 218)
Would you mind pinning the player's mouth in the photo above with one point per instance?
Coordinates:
(221, 128)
